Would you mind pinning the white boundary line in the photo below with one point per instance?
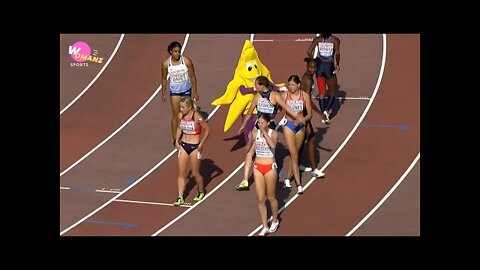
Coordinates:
(96, 77)
(284, 40)
(208, 194)
(132, 185)
(138, 181)
(399, 181)
(114, 133)
(377, 86)
(198, 203)
(152, 203)
(124, 124)
(96, 190)
(107, 191)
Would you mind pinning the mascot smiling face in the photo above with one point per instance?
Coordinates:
(249, 67)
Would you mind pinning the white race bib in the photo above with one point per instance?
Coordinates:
(178, 77)
(296, 105)
(325, 49)
(188, 127)
(264, 106)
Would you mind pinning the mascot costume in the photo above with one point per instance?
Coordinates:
(240, 90)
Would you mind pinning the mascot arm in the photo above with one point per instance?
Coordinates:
(246, 90)
(250, 90)
(274, 87)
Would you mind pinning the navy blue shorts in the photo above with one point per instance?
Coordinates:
(187, 93)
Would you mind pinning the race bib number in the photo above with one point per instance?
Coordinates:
(325, 49)
(264, 106)
(187, 127)
(296, 105)
(179, 78)
(262, 150)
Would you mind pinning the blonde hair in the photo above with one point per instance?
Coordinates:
(189, 101)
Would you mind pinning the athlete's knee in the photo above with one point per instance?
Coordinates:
(271, 198)
(262, 199)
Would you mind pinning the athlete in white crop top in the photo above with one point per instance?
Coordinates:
(181, 82)
(263, 141)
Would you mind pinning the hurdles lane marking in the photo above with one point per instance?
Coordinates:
(153, 203)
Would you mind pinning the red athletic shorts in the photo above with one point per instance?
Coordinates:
(264, 168)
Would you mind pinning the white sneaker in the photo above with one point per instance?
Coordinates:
(274, 226)
(317, 173)
(327, 115)
(263, 232)
(299, 190)
(304, 169)
(327, 118)
(287, 183)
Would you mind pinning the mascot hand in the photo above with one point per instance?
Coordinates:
(246, 90)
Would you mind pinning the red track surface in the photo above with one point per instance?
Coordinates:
(356, 180)
(132, 77)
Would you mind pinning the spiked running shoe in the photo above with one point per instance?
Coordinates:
(199, 196)
(180, 201)
(243, 185)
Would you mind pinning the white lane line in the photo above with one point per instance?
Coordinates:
(131, 185)
(86, 189)
(118, 195)
(96, 77)
(399, 181)
(208, 194)
(136, 182)
(107, 191)
(124, 124)
(367, 108)
(285, 40)
(198, 203)
(114, 133)
(188, 205)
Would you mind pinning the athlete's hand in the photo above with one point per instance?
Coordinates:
(337, 69)
(299, 120)
(177, 145)
(195, 96)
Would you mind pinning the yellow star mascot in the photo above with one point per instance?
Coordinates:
(240, 90)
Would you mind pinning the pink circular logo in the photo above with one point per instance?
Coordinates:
(80, 51)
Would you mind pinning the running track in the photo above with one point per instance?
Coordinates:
(355, 180)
